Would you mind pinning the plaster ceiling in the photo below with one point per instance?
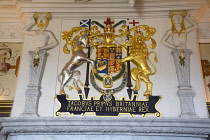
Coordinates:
(17, 11)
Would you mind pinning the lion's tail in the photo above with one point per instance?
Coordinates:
(155, 59)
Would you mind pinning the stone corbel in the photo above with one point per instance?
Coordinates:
(132, 3)
(81, 0)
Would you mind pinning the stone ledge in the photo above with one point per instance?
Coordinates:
(108, 125)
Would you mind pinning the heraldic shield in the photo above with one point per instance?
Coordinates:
(109, 66)
(108, 60)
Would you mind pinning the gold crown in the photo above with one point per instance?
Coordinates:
(139, 33)
(109, 29)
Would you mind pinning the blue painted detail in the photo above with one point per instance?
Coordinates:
(112, 91)
(85, 23)
(105, 61)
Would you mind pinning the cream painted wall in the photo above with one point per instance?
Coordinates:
(164, 82)
(204, 50)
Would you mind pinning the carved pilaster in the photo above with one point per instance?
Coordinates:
(35, 72)
(186, 102)
(25, 0)
(33, 92)
(2, 137)
(183, 72)
(185, 92)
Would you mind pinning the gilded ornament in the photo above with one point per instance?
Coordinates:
(109, 62)
(39, 17)
(107, 81)
(36, 60)
(173, 27)
(182, 58)
(176, 16)
(139, 55)
(138, 50)
(65, 49)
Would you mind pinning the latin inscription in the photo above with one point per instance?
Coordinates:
(99, 106)
(107, 108)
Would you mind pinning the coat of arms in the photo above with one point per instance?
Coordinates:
(109, 66)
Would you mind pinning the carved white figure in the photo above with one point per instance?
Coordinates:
(41, 36)
(178, 32)
(77, 59)
(43, 41)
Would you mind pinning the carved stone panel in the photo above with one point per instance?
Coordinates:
(185, 92)
(204, 31)
(183, 71)
(32, 93)
(11, 30)
(187, 105)
(36, 70)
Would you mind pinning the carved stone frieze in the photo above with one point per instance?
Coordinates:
(204, 31)
(92, 125)
(7, 6)
(25, 0)
(7, 0)
(81, 0)
(11, 30)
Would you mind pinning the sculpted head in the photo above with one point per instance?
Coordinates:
(42, 20)
(177, 19)
(84, 40)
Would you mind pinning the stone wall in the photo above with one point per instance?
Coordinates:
(165, 82)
